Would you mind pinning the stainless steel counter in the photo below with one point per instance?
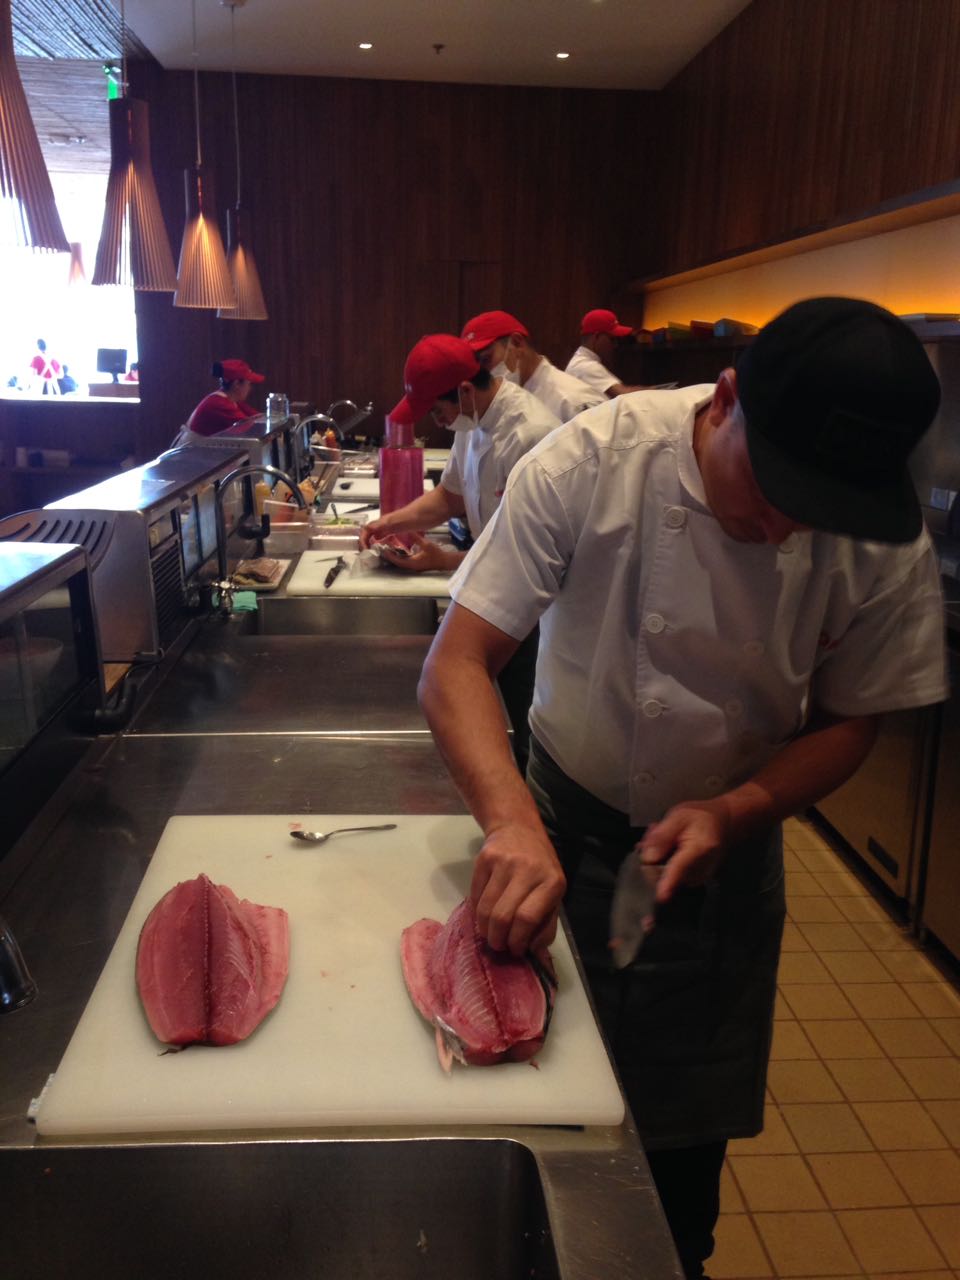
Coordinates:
(250, 724)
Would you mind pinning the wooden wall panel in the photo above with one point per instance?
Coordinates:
(385, 210)
(800, 113)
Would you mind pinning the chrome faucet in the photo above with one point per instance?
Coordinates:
(17, 988)
(325, 418)
(254, 469)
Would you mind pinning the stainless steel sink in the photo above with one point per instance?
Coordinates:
(439, 1208)
(346, 615)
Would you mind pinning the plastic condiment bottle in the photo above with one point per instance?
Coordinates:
(401, 469)
(261, 492)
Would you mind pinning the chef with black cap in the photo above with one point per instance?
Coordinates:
(733, 583)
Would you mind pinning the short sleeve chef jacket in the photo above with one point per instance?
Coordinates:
(674, 661)
(563, 395)
(481, 459)
(583, 364)
(216, 412)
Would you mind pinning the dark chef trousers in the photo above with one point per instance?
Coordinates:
(689, 1023)
(515, 682)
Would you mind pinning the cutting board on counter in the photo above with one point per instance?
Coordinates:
(308, 578)
(345, 1045)
(363, 488)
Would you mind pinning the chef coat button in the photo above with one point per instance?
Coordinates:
(733, 708)
(675, 518)
(788, 545)
(652, 708)
(714, 783)
(643, 779)
(654, 623)
(754, 648)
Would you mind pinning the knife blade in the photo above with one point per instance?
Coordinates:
(340, 565)
(632, 910)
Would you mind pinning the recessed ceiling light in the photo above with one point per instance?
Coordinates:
(365, 44)
(563, 55)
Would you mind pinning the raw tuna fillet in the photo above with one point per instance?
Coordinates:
(487, 1006)
(209, 966)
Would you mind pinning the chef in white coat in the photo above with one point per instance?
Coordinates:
(503, 345)
(494, 423)
(733, 583)
(600, 331)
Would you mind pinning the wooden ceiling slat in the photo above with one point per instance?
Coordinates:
(82, 29)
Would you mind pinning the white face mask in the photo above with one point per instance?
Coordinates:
(463, 421)
(508, 375)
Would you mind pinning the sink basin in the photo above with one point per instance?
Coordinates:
(336, 1210)
(346, 615)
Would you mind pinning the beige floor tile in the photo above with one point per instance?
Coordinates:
(880, 1000)
(801, 966)
(814, 910)
(802, 1082)
(914, 1275)
(935, 999)
(869, 1080)
(841, 884)
(818, 1000)
(738, 1253)
(910, 966)
(793, 939)
(731, 1201)
(809, 1244)
(775, 1140)
(791, 861)
(932, 1077)
(856, 1180)
(789, 1042)
(801, 884)
(826, 1127)
(947, 1116)
(841, 1038)
(899, 1126)
(853, 966)
(943, 1223)
(834, 937)
(817, 858)
(885, 937)
(928, 1177)
(862, 910)
(890, 1239)
(907, 1038)
(781, 1009)
(777, 1183)
(949, 1031)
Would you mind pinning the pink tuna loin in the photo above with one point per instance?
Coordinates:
(487, 1006)
(209, 966)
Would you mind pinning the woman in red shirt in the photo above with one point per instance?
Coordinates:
(228, 404)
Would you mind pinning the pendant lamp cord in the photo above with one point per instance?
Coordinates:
(236, 109)
(196, 84)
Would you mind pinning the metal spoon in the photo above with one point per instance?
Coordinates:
(321, 837)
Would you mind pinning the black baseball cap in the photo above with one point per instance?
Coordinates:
(835, 393)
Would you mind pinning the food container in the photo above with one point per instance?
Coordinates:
(335, 541)
(287, 539)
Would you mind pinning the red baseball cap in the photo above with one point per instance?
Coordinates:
(488, 326)
(604, 322)
(437, 364)
(239, 371)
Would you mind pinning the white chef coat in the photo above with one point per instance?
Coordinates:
(481, 459)
(585, 366)
(563, 394)
(675, 661)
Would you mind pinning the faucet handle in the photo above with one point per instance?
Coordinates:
(17, 988)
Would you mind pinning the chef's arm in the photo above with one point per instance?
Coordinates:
(621, 389)
(422, 513)
(693, 837)
(517, 881)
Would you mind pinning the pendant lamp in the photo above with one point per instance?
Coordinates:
(240, 260)
(202, 276)
(28, 211)
(75, 273)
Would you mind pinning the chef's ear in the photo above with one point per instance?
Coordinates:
(724, 395)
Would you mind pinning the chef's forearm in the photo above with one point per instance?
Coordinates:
(424, 512)
(821, 759)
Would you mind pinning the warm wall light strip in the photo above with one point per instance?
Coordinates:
(28, 217)
(134, 248)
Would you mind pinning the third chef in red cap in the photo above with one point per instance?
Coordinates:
(600, 331)
(228, 404)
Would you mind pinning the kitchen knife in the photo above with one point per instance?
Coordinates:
(332, 573)
(632, 909)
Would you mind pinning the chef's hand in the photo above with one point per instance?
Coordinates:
(425, 555)
(691, 840)
(373, 532)
(517, 888)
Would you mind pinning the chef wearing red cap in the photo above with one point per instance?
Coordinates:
(503, 345)
(600, 331)
(228, 404)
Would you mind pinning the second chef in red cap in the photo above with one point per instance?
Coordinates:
(228, 404)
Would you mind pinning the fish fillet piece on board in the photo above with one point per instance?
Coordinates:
(487, 1006)
(210, 967)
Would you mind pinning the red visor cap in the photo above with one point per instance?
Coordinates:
(604, 322)
(436, 365)
(239, 371)
(488, 326)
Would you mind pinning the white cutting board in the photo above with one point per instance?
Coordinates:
(308, 578)
(363, 488)
(345, 1045)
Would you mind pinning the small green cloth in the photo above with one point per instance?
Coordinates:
(245, 602)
